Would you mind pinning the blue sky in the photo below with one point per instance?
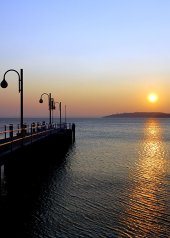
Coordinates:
(83, 39)
(86, 30)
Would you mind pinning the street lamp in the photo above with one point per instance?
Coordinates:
(59, 109)
(49, 103)
(4, 84)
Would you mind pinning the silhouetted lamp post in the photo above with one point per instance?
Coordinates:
(59, 109)
(65, 114)
(49, 103)
(52, 108)
(4, 84)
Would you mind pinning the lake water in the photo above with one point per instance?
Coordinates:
(113, 182)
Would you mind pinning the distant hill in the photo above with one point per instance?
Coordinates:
(140, 115)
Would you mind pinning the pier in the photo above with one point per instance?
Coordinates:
(37, 144)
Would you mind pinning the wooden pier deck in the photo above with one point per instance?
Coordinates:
(13, 139)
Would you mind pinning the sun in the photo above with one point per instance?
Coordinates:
(152, 97)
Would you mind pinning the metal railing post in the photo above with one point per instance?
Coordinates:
(10, 130)
(18, 129)
(5, 131)
(11, 134)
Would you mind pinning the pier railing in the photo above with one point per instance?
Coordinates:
(12, 138)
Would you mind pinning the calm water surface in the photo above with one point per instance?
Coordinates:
(113, 182)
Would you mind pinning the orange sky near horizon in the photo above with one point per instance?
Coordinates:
(85, 97)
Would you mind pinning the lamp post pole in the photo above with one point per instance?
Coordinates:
(22, 106)
(65, 114)
(4, 84)
(49, 104)
(59, 110)
(52, 108)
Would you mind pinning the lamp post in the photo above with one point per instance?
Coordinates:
(65, 114)
(4, 84)
(52, 108)
(59, 110)
(49, 104)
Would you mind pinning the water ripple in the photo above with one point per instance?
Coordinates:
(111, 187)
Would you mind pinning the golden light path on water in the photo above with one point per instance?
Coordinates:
(145, 214)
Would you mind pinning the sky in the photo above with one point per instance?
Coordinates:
(97, 57)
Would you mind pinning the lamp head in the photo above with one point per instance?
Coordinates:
(40, 101)
(4, 84)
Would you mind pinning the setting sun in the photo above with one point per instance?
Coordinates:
(152, 98)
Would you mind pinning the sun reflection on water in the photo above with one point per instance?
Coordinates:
(144, 214)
